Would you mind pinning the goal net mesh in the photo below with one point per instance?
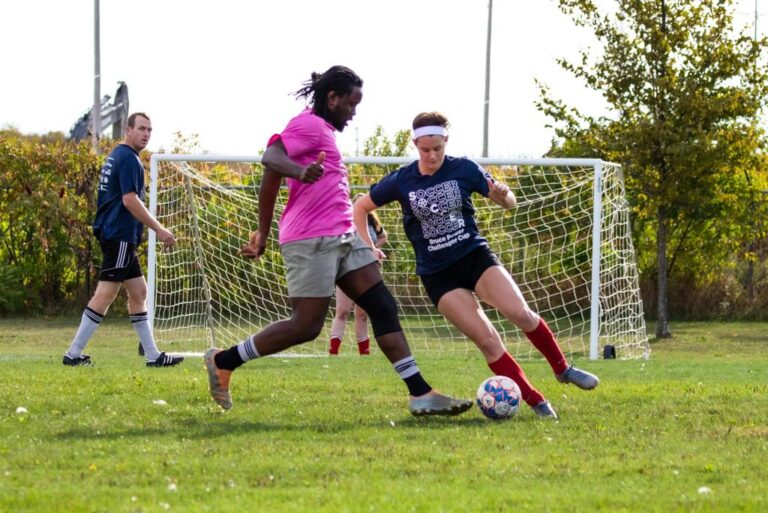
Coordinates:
(203, 294)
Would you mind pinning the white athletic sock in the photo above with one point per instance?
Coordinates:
(247, 350)
(338, 327)
(361, 330)
(406, 367)
(88, 324)
(140, 323)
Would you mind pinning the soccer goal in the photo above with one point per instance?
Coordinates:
(567, 244)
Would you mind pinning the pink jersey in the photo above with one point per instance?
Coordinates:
(322, 208)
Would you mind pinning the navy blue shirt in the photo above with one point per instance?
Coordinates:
(122, 173)
(438, 214)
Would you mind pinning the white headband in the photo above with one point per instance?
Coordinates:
(430, 130)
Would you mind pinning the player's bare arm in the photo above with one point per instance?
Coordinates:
(500, 194)
(136, 207)
(276, 158)
(268, 190)
(360, 211)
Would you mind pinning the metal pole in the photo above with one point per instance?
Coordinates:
(96, 111)
(487, 80)
(597, 223)
(197, 241)
(152, 241)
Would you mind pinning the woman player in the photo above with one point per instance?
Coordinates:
(454, 260)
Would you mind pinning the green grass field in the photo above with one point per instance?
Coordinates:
(684, 431)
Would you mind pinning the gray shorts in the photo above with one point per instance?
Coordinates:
(314, 265)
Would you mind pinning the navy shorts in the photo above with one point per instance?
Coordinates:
(462, 274)
(120, 261)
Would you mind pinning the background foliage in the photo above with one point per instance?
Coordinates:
(47, 197)
(685, 93)
(48, 257)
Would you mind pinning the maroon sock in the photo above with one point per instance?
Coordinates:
(335, 343)
(544, 340)
(507, 366)
(364, 346)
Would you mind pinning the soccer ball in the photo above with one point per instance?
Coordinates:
(499, 397)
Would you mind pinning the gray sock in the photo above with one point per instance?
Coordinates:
(88, 324)
(140, 323)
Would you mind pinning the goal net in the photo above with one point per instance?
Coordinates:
(567, 244)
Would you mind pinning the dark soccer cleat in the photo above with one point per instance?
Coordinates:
(545, 411)
(78, 360)
(582, 379)
(166, 360)
(436, 403)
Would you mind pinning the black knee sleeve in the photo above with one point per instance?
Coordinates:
(381, 308)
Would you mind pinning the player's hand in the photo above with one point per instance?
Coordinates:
(314, 171)
(497, 191)
(255, 246)
(379, 254)
(166, 237)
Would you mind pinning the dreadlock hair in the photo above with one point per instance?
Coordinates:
(339, 79)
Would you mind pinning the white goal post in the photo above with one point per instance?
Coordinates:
(568, 245)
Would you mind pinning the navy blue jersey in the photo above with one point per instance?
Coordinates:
(122, 173)
(438, 214)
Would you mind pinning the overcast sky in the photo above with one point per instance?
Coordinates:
(225, 69)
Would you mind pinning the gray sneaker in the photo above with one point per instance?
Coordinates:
(582, 379)
(544, 410)
(437, 404)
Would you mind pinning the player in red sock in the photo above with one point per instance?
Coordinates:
(344, 305)
(364, 346)
(454, 261)
(333, 349)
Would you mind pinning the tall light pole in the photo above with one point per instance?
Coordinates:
(487, 80)
(755, 20)
(96, 111)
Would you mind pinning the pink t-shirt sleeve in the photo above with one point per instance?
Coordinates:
(322, 208)
(301, 138)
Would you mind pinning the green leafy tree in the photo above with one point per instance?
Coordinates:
(47, 197)
(685, 90)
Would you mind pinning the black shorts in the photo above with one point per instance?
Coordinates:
(120, 261)
(462, 274)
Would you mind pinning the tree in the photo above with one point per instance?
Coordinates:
(47, 193)
(685, 91)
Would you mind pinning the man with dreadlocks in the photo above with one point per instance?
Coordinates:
(320, 247)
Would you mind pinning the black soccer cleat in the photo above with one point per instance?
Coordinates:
(166, 360)
(78, 360)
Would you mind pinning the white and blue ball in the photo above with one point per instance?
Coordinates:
(499, 397)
